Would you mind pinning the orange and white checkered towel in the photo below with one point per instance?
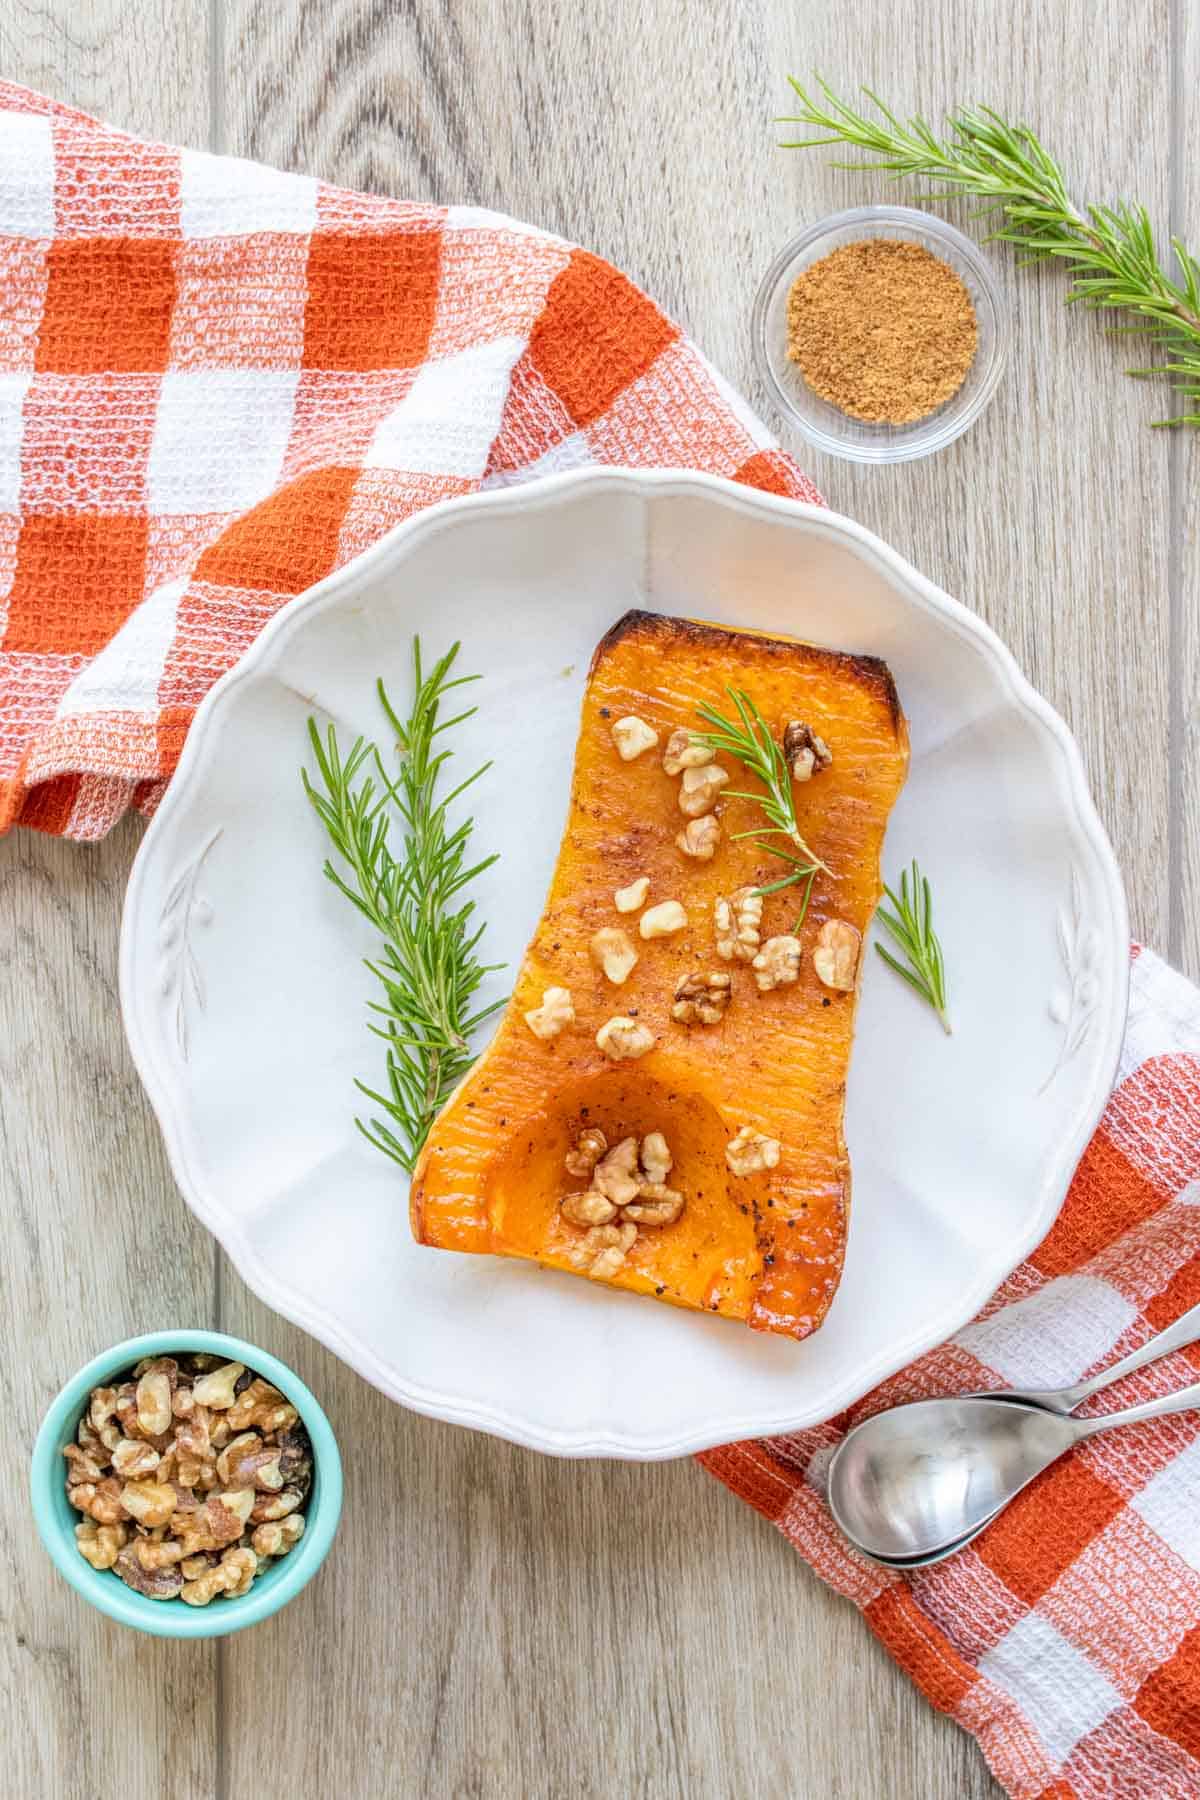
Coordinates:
(217, 383)
(1067, 1637)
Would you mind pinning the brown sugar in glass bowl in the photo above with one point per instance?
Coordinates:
(882, 329)
(829, 427)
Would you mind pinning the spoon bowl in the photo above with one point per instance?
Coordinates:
(915, 1480)
(917, 1483)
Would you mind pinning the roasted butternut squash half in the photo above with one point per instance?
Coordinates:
(661, 1105)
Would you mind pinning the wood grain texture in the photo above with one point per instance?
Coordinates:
(493, 1623)
(97, 1245)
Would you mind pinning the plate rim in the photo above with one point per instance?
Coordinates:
(161, 1087)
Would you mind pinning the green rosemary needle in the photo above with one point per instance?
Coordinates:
(751, 742)
(427, 966)
(911, 927)
(1109, 251)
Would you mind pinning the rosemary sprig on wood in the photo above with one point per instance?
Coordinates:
(750, 740)
(427, 966)
(1110, 251)
(911, 927)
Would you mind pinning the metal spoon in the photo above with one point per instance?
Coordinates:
(1185, 1330)
(917, 1481)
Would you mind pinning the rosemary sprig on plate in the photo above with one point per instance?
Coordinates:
(911, 927)
(750, 741)
(1109, 251)
(427, 966)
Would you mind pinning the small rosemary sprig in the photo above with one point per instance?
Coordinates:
(911, 926)
(427, 966)
(1109, 251)
(750, 740)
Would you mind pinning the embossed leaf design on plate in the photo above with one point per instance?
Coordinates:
(181, 981)
(1074, 1006)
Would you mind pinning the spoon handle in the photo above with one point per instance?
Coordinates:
(1185, 1400)
(1185, 1330)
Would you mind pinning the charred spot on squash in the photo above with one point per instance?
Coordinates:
(765, 1247)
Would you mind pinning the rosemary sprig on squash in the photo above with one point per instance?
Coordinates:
(750, 741)
(427, 965)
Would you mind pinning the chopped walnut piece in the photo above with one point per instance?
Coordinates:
(736, 925)
(216, 1390)
(127, 1410)
(156, 1584)
(663, 920)
(192, 1567)
(149, 1502)
(247, 1462)
(133, 1460)
(750, 1152)
(683, 752)
(82, 1466)
(777, 963)
(262, 1406)
(242, 1564)
(656, 1159)
(553, 1015)
(278, 1537)
(154, 1555)
(701, 999)
(223, 1516)
(699, 789)
(616, 1178)
(590, 1146)
(100, 1544)
(622, 1039)
(700, 837)
(632, 736)
(183, 1403)
(101, 1410)
(605, 1248)
(656, 1204)
(275, 1506)
(612, 950)
(194, 1473)
(193, 1435)
(89, 1441)
(632, 898)
(154, 1404)
(590, 1208)
(295, 1458)
(835, 957)
(805, 753)
(100, 1500)
(206, 1587)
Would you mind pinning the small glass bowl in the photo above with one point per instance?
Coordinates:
(827, 426)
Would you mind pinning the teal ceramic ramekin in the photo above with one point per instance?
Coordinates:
(278, 1583)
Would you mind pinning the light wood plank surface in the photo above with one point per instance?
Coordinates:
(492, 1622)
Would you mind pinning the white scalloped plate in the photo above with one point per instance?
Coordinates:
(244, 994)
